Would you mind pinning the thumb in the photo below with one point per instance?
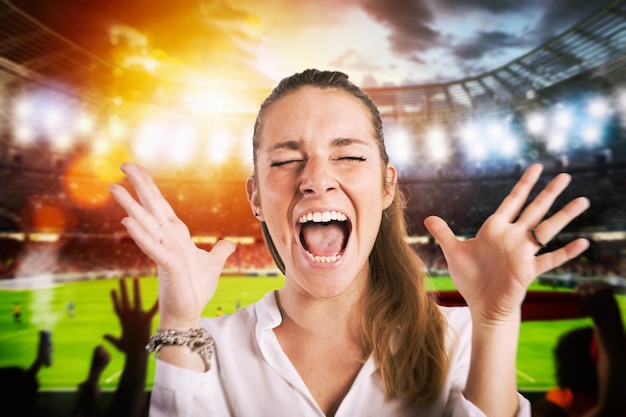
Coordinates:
(113, 340)
(222, 250)
(441, 232)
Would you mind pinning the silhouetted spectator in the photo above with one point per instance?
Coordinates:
(19, 386)
(590, 361)
(129, 398)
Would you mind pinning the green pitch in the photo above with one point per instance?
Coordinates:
(74, 338)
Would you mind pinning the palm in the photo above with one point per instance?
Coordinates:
(500, 279)
(493, 270)
(188, 275)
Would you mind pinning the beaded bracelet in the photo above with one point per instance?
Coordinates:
(198, 340)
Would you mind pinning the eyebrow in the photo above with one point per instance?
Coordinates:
(336, 143)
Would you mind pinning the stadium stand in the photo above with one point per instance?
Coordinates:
(85, 239)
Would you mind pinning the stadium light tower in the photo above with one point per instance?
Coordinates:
(219, 146)
(437, 144)
(149, 141)
(61, 140)
(556, 141)
(536, 123)
(84, 124)
(591, 135)
(400, 147)
(183, 143)
(598, 108)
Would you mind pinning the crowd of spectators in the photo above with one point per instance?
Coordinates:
(119, 256)
(107, 256)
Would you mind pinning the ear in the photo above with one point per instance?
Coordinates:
(391, 179)
(253, 197)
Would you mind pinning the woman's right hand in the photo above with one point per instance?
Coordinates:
(187, 274)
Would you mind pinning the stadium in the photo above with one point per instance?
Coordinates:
(69, 118)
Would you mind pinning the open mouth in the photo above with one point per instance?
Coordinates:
(324, 235)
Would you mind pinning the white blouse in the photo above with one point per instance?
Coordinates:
(251, 376)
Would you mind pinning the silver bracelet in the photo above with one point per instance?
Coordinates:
(198, 340)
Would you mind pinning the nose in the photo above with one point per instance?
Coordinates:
(317, 177)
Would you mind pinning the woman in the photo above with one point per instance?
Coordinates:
(352, 332)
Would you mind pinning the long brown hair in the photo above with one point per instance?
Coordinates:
(403, 327)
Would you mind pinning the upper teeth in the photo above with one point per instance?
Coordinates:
(322, 217)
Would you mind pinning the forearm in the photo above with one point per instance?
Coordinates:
(129, 398)
(492, 380)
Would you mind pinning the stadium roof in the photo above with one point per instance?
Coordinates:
(35, 53)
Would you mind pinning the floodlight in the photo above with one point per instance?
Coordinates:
(53, 118)
(477, 150)
(437, 144)
(591, 135)
(61, 140)
(598, 108)
(509, 146)
(116, 127)
(24, 134)
(495, 130)
(536, 123)
(399, 146)
(149, 140)
(469, 134)
(557, 141)
(101, 145)
(84, 124)
(183, 143)
(23, 109)
(563, 118)
(219, 146)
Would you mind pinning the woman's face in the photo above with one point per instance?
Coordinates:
(320, 189)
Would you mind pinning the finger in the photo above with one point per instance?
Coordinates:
(549, 228)
(136, 211)
(137, 294)
(541, 204)
(113, 340)
(116, 302)
(556, 258)
(517, 197)
(441, 232)
(124, 294)
(148, 193)
(158, 253)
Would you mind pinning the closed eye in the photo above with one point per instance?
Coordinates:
(285, 162)
(352, 158)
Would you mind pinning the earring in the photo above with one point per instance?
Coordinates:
(256, 214)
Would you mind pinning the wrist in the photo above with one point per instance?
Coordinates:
(497, 320)
(178, 324)
(197, 343)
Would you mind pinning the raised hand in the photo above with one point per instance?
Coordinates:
(493, 270)
(136, 323)
(188, 275)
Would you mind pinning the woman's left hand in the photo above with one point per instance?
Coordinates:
(493, 270)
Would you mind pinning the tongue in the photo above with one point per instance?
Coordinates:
(323, 239)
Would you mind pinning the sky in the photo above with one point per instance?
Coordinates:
(254, 43)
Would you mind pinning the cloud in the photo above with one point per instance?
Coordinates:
(410, 23)
(493, 6)
(488, 43)
(560, 15)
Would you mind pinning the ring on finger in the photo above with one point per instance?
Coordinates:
(537, 241)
